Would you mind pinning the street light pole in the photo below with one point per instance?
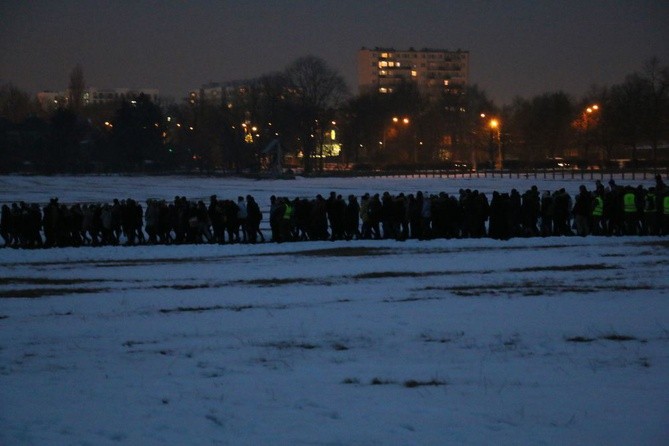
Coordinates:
(496, 138)
(586, 124)
(386, 128)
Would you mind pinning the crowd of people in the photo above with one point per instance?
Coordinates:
(606, 211)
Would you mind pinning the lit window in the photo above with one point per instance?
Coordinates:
(384, 55)
(383, 73)
(414, 73)
(391, 64)
(383, 64)
(446, 82)
(383, 90)
(397, 64)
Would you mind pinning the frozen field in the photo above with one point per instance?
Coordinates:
(556, 341)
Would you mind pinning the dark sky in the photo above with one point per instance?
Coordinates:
(517, 47)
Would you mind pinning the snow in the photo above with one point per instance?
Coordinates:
(464, 342)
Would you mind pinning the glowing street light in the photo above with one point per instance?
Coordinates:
(496, 139)
(589, 110)
(395, 120)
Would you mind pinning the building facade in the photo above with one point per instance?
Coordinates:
(433, 71)
(105, 96)
(51, 100)
(226, 93)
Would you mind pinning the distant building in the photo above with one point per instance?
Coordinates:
(434, 71)
(228, 93)
(50, 100)
(111, 95)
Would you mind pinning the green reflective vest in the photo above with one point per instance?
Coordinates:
(288, 212)
(598, 210)
(629, 203)
(666, 205)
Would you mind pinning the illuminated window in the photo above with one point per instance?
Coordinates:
(414, 73)
(397, 64)
(446, 82)
(391, 64)
(384, 55)
(383, 90)
(383, 64)
(383, 73)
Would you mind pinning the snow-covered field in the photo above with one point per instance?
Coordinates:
(557, 341)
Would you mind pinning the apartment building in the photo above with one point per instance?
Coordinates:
(228, 93)
(103, 96)
(434, 71)
(51, 100)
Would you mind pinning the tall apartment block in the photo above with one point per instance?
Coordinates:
(434, 71)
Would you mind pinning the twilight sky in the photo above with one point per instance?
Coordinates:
(517, 47)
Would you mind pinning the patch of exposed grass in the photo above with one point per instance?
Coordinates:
(235, 308)
(163, 352)
(442, 340)
(361, 251)
(411, 299)
(398, 274)
(157, 261)
(618, 337)
(45, 281)
(186, 287)
(653, 243)
(412, 383)
(615, 337)
(583, 267)
(130, 344)
(381, 382)
(580, 339)
(290, 345)
(67, 313)
(34, 293)
(350, 381)
(530, 289)
(277, 282)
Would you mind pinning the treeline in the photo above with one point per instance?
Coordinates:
(305, 115)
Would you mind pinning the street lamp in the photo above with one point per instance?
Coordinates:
(496, 139)
(590, 110)
(395, 120)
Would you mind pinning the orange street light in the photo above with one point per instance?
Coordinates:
(496, 140)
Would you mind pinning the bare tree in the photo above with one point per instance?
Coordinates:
(76, 88)
(14, 103)
(317, 89)
(657, 106)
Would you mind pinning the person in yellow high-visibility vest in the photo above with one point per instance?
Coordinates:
(287, 220)
(598, 214)
(630, 210)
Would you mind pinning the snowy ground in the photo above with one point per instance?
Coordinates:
(544, 341)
